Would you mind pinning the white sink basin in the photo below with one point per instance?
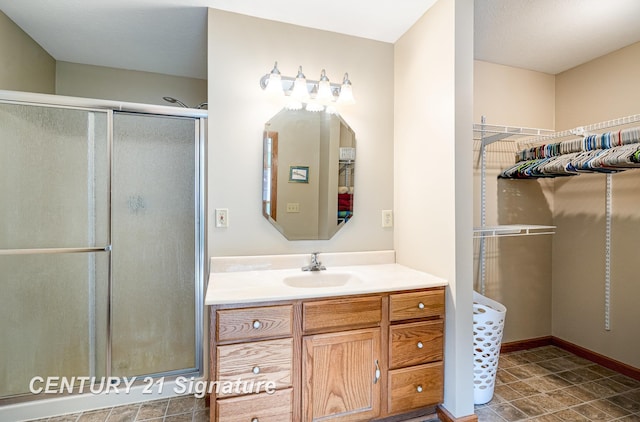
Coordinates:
(317, 279)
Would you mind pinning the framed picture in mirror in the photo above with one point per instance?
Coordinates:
(299, 174)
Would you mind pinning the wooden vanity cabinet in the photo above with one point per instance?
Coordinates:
(253, 345)
(347, 359)
(416, 350)
(340, 359)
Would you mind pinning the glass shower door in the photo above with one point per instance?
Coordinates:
(101, 245)
(54, 232)
(155, 243)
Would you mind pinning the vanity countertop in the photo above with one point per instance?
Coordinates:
(285, 284)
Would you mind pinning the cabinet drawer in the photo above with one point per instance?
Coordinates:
(429, 303)
(254, 323)
(415, 343)
(263, 407)
(416, 387)
(328, 315)
(254, 364)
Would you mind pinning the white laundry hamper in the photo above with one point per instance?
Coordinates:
(488, 325)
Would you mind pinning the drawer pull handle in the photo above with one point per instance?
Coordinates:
(419, 389)
(420, 305)
(256, 370)
(377, 373)
(255, 420)
(420, 345)
(257, 324)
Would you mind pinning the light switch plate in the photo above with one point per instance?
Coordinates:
(387, 218)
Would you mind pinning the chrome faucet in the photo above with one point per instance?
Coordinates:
(315, 265)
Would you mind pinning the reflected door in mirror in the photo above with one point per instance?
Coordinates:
(270, 175)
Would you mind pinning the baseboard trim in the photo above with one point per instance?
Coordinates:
(532, 343)
(445, 416)
(414, 416)
(602, 360)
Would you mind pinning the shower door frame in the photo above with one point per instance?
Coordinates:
(110, 108)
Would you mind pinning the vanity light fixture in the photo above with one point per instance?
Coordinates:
(300, 91)
(346, 91)
(274, 83)
(313, 95)
(325, 96)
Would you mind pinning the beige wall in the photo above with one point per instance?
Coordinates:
(241, 50)
(518, 269)
(433, 182)
(106, 83)
(600, 90)
(25, 66)
(513, 96)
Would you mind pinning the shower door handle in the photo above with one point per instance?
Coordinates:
(40, 251)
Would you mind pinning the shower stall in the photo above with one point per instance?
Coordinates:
(101, 240)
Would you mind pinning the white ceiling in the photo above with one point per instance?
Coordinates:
(552, 36)
(169, 36)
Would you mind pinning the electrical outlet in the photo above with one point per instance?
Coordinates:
(387, 218)
(222, 217)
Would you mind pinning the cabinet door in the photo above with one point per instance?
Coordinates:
(340, 377)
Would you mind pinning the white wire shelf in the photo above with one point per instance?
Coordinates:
(509, 230)
(489, 134)
(581, 131)
(526, 137)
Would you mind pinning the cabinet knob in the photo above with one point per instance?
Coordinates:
(256, 370)
(419, 389)
(257, 324)
(420, 345)
(420, 305)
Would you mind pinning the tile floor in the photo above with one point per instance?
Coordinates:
(180, 409)
(546, 384)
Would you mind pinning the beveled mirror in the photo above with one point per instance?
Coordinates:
(308, 173)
